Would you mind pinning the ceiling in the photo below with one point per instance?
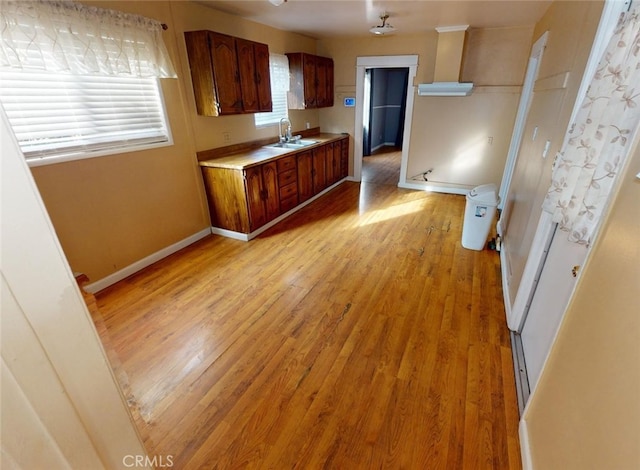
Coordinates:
(331, 18)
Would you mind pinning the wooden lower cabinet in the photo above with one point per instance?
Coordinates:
(305, 175)
(334, 162)
(243, 200)
(319, 168)
(263, 200)
(227, 197)
(344, 158)
(330, 168)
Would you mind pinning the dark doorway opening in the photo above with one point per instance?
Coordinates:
(384, 108)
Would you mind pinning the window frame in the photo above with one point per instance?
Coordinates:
(113, 148)
(274, 118)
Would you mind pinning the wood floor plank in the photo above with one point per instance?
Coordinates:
(356, 334)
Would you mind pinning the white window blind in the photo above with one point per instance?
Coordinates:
(279, 70)
(63, 116)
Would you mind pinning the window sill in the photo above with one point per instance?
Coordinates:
(55, 159)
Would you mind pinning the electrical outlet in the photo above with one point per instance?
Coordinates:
(490, 140)
(226, 136)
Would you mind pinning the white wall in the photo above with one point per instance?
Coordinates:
(60, 404)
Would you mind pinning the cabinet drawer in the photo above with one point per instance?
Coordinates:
(286, 163)
(289, 203)
(287, 177)
(288, 191)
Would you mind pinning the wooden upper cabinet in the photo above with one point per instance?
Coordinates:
(330, 82)
(311, 84)
(248, 82)
(202, 72)
(226, 74)
(309, 79)
(230, 75)
(324, 82)
(263, 77)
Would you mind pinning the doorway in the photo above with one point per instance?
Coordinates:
(384, 108)
(383, 124)
(408, 63)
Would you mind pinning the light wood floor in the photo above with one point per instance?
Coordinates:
(356, 334)
(382, 166)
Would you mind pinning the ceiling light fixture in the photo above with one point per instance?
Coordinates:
(277, 2)
(384, 28)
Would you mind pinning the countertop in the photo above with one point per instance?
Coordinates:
(257, 156)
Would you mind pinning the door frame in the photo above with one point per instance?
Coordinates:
(378, 62)
(521, 117)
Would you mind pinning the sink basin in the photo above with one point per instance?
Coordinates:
(295, 144)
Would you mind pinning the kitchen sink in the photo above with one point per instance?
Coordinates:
(294, 144)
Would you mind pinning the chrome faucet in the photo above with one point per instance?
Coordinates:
(285, 136)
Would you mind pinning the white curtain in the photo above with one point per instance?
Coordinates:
(599, 139)
(68, 37)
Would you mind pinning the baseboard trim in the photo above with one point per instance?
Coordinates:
(245, 237)
(144, 262)
(463, 190)
(525, 449)
(523, 391)
(505, 278)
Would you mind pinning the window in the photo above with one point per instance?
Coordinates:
(80, 81)
(279, 70)
(59, 117)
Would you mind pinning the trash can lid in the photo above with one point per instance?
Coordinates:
(485, 193)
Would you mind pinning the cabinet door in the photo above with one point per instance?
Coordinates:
(329, 84)
(321, 82)
(309, 72)
(330, 165)
(319, 169)
(271, 191)
(226, 194)
(204, 89)
(247, 69)
(263, 77)
(337, 157)
(305, 176)
(344, 158)
(226, 73)
(255, 197)
(324, 82)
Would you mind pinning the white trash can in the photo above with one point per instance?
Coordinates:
(478, 216)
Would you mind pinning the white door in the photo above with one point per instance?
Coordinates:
(555, 287)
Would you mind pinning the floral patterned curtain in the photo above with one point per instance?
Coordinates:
(68, 37)
(599, 139)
